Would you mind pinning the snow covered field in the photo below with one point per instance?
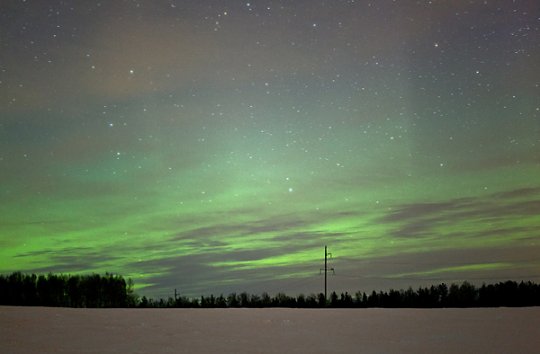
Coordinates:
(63, 330)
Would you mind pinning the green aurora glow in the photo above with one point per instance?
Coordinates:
(216, 148)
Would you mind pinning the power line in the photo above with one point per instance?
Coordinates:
(326, 254)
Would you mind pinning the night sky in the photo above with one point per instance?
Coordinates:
(218, 146)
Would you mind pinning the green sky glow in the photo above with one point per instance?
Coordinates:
(213, 148)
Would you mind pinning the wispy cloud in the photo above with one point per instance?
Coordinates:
(427, 219)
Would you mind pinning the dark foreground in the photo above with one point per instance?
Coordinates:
(64, 330)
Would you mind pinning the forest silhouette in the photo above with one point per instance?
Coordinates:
(109, 290)
(66, 290)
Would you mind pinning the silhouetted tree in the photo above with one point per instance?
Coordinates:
(321, 300)
(311, 301)
(244, 300)
(255, 301)
(301, 300)
(221, 301)
(266, 301)
(232, 300)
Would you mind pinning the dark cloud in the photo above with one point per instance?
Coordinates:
(420, 210)
(423, 219)
(518, 193)
(427, 267)
(285, 226)
(217, 268)
(78, 259)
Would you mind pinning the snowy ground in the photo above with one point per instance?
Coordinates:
(61, 330)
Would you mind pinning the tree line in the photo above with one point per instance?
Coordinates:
(93, 290)
(509, 294)
(114, 291)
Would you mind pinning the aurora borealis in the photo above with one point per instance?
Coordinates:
(217, 146)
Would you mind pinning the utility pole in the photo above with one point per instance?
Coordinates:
(326, 254)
